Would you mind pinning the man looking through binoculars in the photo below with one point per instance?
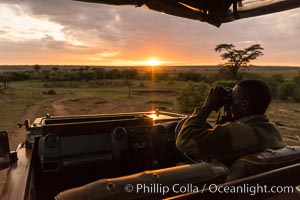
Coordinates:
(244, 130)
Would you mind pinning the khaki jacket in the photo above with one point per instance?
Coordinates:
(228, 141)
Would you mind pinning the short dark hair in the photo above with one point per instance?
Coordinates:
(257, 93)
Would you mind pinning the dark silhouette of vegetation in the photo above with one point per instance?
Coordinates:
(50, 92)
(37, 68)
(238, 58)
(129, 85)
(273, 82)
(128, 75)
(286, 90)
(190, 76)
(7, 77)
(296, 79)
(5, 81)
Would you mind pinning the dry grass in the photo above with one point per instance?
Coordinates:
(87, 100)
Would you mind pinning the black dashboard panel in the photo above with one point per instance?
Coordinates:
(88, 140)
(76, 150)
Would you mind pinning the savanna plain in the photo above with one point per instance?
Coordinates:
(31, 92)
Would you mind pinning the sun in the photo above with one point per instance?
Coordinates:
(153, 62)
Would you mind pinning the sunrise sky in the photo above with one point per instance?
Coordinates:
(68, 32)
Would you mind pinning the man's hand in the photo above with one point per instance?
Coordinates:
(215, 99)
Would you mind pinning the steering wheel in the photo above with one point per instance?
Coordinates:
(179, 126)
(184, 155)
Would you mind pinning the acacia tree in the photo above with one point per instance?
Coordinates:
(238, 58)
(128, 75)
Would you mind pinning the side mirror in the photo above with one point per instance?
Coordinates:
(4, 150)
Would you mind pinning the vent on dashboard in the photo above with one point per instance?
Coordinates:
(51, 140)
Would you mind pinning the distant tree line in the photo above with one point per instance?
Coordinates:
(86, 74)
(281, 88)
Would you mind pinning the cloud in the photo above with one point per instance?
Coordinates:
(18, 25)
(108, 54)
(86, 31)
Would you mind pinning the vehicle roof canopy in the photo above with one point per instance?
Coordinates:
(214, 12)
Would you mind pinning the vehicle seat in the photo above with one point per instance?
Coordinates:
(196, 174)
(285, 177)
(264, 161)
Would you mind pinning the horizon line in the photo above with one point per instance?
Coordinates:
(80, 65)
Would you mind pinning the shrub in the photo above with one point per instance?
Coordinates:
(273, 82)
(278, 78)
(297, 94)
(273, 88)
(51, 92)
(286, 90)
(296, 79)
(192, 96)
(191, 76)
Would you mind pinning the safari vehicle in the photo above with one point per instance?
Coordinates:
(107, 156)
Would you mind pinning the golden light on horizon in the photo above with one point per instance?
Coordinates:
(153, 62)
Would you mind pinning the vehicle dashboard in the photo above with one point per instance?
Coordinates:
(74, 150)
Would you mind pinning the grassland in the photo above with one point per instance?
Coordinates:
(30, 99)
(27, 99)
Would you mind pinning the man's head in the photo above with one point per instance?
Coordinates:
(250, 97)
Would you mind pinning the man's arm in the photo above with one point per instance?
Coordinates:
(195, 139)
